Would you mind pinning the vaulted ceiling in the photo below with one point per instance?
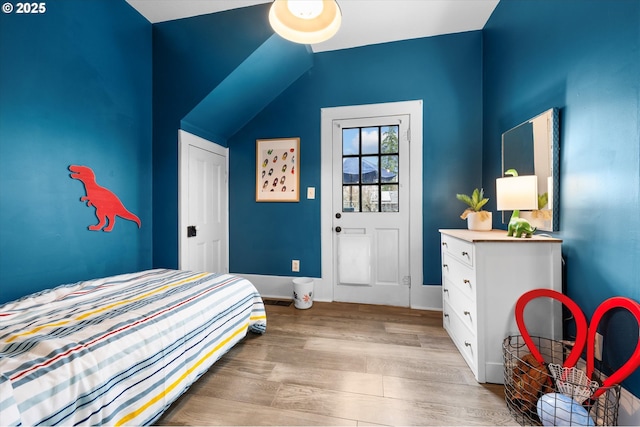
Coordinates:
(364, 22)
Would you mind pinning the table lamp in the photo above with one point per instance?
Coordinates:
(514, 193)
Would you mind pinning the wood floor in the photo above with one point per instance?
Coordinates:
(342, 364)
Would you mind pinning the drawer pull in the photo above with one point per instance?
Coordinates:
(445, 290)
(445, 244)
(445, 266)
(467, 344)
(464, 253)
(446, 315)
(467, 281)
(467, 313)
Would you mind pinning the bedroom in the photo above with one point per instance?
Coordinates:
(94, 83)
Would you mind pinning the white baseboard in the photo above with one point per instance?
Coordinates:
(426, 297)
(281, 287)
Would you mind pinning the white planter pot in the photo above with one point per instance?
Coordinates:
(479, 221)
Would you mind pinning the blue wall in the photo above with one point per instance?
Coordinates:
(582, 56)
(264, 75)
(190, 59)
(443, 71)
(192, 56)
(75, 89)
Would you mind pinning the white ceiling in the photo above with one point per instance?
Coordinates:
(364, 22)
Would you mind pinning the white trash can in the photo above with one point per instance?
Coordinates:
(303, 292)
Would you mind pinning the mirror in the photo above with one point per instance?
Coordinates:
(533, 148)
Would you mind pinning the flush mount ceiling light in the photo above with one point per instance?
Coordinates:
(305, 21)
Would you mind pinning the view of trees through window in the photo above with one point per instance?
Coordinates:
(370, 169)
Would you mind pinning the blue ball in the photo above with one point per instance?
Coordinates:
(557, 409)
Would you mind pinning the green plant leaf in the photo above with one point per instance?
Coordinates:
(475, 197)
(465, 199)
(476, 201)
(481, 203)
(543, 199)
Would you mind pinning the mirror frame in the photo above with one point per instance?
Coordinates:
(552, 145)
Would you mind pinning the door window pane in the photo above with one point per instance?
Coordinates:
(389, 198)
(389, 170)
(370, 140)
(369, 169)
(370, 198)
(350, 170)
(350, 198)
(370, 166)
(389, 139)
(350, 141)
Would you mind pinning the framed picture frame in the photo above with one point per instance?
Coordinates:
(278, 170)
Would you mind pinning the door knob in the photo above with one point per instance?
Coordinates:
(338, 215)
(338, 229)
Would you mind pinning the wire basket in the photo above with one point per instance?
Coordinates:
(526, 381)
(573, 382)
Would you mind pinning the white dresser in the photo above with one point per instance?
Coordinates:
(483, 275)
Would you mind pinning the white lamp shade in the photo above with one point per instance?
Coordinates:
(305, 21)
(517, 192)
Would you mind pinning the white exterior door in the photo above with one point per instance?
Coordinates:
(203, 231)
(371, 210)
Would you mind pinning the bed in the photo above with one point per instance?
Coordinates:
(121, 349)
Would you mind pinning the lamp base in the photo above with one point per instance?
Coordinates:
(519, 227)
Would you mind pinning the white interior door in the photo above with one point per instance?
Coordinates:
(203, 231)
(371, 210)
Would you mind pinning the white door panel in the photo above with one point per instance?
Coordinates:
(354, 258)
(371, 247)
(203, 205)
(206, 182)
(387, 258)
(424, 297)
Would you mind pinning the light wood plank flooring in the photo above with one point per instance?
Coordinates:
(342, 364)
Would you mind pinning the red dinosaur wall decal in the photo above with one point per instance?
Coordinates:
(107, 204)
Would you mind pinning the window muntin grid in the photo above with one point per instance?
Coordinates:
(370, 166)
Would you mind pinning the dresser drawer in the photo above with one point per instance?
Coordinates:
(460, 304)
(462, 337)
(459, 249)
(483, 275)
(459, 274)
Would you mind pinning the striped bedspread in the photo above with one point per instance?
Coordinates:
(118, 350)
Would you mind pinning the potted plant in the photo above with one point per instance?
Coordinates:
(477, 219)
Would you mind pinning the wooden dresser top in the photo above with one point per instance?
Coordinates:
(495, 236)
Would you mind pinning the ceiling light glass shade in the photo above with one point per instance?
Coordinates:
(305, 21)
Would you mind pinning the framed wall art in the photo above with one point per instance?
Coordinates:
(278, 170)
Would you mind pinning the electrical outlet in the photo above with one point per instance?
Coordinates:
(295, 265)
(597, 353)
